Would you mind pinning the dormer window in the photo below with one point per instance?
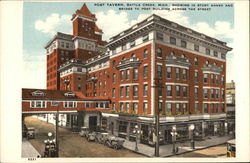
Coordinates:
(69, 94)
(38, 93)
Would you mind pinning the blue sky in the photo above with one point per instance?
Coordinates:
(42, 19)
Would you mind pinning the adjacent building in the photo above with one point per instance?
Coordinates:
(154, 66)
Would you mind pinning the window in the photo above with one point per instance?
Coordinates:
(168, 107)
(145, 53)
(196, 61)
(159, 71)
(207, 51)
(196, 47)
(184, 74)
(135, 90)
(127, 74)
(212, 78)
(121, 75)
(217, 79)
(177, 108)
(113, 92)
(183, 44)
(159, 52)
(113, 106)
(132, 44)
(205, 107)
(196, 92)
(223, 56)
(124, 47)
(205, 94)
(196, 107)
(222, 94)
(79, 86)
(215, 53)
(114, 78)
(145, 107)
(105, 83)
(113, 51)
(184, 91)
(145, 38)
(177, 73)
(169, 72)
(223, 108)
(70, 104)
(212, 93)
(178, 91)
(222, 80)
(38, 104)
(67, 45)
(121, 91)
(135, 107)
(169, 90)
(127, 107)
(145, 90)
(184, 107)
(205, 78)
(62, 44)
(159, 106)
(159, 36)
(217, 93)
(135, 75)
(121, 107)
(160, 91)
(172, 53)
(127, 91)
(145, 71)
(196, 78)
(173, 40)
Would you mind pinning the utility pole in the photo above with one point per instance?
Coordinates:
(157, 123)
(57, 132)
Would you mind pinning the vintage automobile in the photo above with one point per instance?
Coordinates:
(101, 137)
(114, 142)
(231, 150)
(91, 136)
(84, 131)
(30, 133)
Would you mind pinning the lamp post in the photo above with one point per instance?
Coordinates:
(173, 133)
(49, 146)
(191, 127)
(136, 131)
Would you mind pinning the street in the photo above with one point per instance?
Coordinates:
(215, 152)
(72, 144)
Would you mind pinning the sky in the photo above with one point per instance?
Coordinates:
(41, 20)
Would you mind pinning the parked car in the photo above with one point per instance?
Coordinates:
(115, 142)
(84, 131)
(91, 136)
(30, 133)
(101, 137)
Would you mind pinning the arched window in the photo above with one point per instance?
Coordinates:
(172, 53)
(159, 52)
(207, 62)
(183, 56)
(133, 55)
(145, 53)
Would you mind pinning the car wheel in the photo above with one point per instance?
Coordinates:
(115, 146)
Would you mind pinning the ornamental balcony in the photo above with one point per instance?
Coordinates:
(212, 68)
(177, 61)
(132, 62)
(92, 79)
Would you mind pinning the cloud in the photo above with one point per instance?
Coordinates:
(54, 23)
(34, 70)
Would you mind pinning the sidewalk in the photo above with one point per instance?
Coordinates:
(28, 150)
(166, 150)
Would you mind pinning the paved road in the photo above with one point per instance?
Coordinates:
(71, 144)
(216, 151)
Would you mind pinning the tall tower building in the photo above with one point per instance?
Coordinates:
(86, 42)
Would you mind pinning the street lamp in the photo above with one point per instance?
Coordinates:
(191, 127)
(173, 133)
(136, 131)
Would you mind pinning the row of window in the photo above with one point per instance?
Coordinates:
(94, 85)
(160, 36)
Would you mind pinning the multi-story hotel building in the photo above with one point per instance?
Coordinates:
(155, 65)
